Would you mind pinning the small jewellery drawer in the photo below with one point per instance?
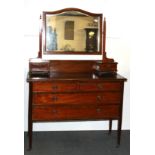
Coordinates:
(54, 86)
(100, 86)
(44, 113)
(77, 98)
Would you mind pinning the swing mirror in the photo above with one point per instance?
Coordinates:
(72, 31)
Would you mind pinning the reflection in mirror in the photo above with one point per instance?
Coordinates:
(72, 31)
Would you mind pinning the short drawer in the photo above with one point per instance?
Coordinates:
(54, 87)
(77, 98)
(101, 86)
(45, 113)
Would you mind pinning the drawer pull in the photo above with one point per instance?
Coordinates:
(100, 86)
(99, 98)
(55, 87)
(54, 111)
(98, 110)
(54, 98)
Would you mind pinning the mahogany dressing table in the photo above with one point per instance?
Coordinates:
(73, 90)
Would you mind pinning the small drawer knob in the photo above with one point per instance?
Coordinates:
(98, 110)
(54, 87)
(54, 111)
(100, 86)
(99, 98)
(54, 98)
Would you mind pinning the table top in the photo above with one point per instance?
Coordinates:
(74, 77)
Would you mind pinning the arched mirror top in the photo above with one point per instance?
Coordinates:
(71, 31)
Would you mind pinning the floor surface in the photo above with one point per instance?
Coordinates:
(77, 143)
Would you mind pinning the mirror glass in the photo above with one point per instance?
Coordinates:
(72, 32)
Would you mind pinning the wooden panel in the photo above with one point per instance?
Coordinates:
(42, 113)
(76, 66)
(77, 98)
(101, 86)
(54, 86)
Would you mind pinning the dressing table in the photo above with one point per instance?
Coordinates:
(73, 90)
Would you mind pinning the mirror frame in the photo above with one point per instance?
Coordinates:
(43, 34)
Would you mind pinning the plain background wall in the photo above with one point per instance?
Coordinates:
(117, 47)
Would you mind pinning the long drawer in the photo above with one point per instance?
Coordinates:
(47, 86)
(77, 98)
(100, 86)
(45, 113)
(54, 86)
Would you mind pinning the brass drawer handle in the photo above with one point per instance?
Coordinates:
(100, 86)
(54, 98)
(99, 98)
(54, 111)
(55, 87)
(98, 110)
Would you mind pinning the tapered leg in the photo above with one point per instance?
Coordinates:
(119, 131)
(110, 126)
(30, 136)
(30, 117)
(29, 122)
(120, 120)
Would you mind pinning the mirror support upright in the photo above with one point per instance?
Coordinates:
(40, 38)
(104, 56)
